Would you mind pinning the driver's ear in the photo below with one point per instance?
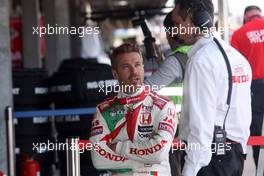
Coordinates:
(115, 75)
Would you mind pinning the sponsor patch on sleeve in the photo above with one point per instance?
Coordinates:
(160, 103)
(95, 123)
(166, 127)
(96, 131)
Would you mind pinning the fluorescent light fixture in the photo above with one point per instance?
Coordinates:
(121, 3)
(169, 3)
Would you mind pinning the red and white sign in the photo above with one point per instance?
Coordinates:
(16, 42)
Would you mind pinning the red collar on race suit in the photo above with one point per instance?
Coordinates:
(131, 119)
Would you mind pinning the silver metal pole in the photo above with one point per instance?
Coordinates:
(223, 18)
(73, 157)
(10, 142)
(260, 167)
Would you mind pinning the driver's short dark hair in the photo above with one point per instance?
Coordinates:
(122, 49)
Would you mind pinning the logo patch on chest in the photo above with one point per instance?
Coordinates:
(145, 119)
(146, 109)
(145, 129)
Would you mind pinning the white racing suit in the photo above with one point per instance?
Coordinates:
(143, 126)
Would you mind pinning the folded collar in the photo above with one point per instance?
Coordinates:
(199, 44)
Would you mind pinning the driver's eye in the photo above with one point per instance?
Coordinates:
(125, 67)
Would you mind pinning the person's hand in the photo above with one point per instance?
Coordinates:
(152, 135)
(161, 57)
(113, 147)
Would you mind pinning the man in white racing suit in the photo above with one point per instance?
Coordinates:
(132, 132)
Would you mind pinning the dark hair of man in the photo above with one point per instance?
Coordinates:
(190, 6)
(168, 24)
(248, 8)
(122, 49)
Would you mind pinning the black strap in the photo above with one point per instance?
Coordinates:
(230, 83)
(182, 59)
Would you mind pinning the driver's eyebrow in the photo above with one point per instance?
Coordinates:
(124, 64)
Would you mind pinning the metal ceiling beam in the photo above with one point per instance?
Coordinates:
(98, 5)
(127, 13)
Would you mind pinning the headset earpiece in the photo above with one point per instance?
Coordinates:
(202, 19)
(200, 16)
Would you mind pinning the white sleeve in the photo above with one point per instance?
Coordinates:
(201, 93)
(155, 150)
(169, 71)
(102, 156)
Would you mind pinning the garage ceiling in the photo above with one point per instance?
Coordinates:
(102, 5)
(125, 8)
